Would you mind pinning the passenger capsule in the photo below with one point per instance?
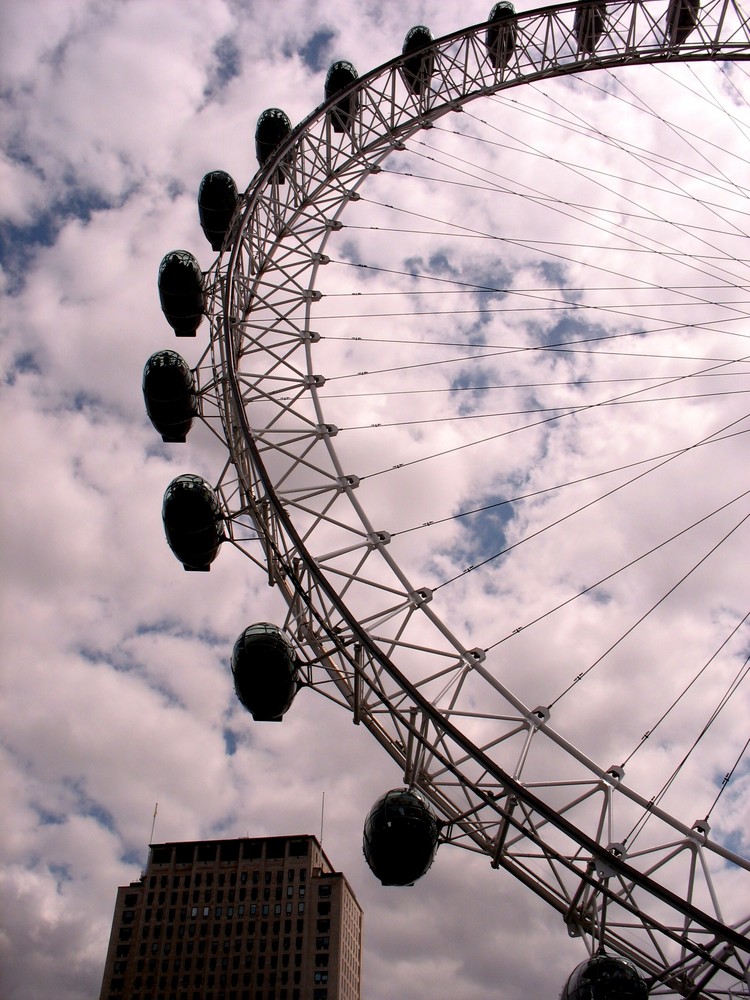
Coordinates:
(605, 977)
(272, 129)
(340, 76)
(192, 521)
(400, 837)
(181, 292)
(500, 38)
(217, 201)
(169, 394)
(588, 26)
(264, 668)
(418, 67)
(682, 17)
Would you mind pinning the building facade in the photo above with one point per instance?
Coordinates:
(250, 919)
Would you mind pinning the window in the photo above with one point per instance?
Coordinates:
(300, 907)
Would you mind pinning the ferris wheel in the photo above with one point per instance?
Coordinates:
(493, 460)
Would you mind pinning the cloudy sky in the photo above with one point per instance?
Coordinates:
(116, 688)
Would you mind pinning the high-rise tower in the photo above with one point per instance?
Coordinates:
(251, 919)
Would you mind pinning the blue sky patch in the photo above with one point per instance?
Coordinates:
(316, 54)
(227, 67)
(62, 873)
(230, 742)
(22, 364)
(20, 244)
(49, 818)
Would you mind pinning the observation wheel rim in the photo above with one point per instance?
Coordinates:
(240, 435)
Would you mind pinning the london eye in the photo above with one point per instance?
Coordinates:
(495, 464)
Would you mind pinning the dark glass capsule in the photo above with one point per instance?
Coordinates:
(169, 394)
(181, 292)
(682, 17)
(341, 75)
(400, 837)
(418, 67)
(217, 201)
(588, 26)
(192, 521)
(605, 977)
(265, 671)
(272, 129)
(500, 38)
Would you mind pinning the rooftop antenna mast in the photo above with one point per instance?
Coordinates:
(322, 812)
(153, 824)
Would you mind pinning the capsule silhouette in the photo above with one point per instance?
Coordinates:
(588, 26)
(217, 201)
(500, 38)
(418, 68)
(169, 395)
(605, 977)
(340, 76)
(272, 128)
(682, 17)
(265, 671)
(192, 521)
(181, 292)
(400, 837)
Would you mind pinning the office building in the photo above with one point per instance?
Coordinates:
(263, 918)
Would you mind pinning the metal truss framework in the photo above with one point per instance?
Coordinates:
(369, 638)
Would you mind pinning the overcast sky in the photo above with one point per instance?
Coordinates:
(116, 687)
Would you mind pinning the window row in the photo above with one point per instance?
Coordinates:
(245, 994)
(322, 926)
(209, 982)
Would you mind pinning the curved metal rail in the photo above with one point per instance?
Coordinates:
(557, 837)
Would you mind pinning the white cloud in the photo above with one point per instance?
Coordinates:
(117, 690)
